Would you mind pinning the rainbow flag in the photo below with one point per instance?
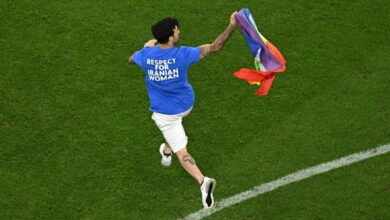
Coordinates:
(268, 59)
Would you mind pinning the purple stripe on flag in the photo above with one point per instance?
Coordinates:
(254, 40)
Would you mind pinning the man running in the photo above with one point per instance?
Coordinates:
(171, 95)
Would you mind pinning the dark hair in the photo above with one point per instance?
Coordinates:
(163, 29)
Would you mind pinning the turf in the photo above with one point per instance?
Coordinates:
(77, 141)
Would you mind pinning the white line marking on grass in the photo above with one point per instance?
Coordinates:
(291, 178)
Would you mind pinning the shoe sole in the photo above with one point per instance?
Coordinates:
(210, 198)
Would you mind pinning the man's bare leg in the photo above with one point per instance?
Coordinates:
(189, 165)
(207, 184)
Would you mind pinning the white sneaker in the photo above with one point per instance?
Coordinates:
(166, 159)
(207, 189)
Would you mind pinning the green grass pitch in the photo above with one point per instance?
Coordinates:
(77, 141)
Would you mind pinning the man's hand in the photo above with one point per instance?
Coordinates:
(233, 20)
(206, 49)
(150, 43)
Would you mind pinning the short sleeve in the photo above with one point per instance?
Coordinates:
(192, 54)
(137, 58)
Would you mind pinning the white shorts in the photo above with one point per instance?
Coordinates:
(172, 129)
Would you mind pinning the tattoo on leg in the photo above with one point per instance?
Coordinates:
(188, 158)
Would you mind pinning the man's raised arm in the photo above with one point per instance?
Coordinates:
(218, 43)
(149, 43)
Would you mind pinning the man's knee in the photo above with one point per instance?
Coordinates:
(180, 153)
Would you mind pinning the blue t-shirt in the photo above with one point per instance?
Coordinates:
(166, 77)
